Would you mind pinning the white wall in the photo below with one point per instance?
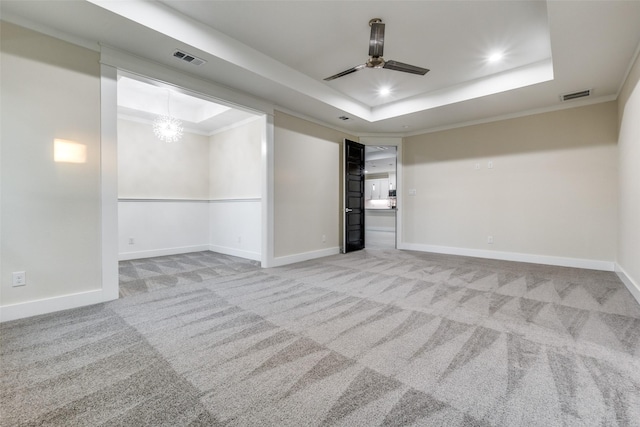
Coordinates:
(551, 195)
(235, 227)
(201, 193)
(163, 191)
(162, 227)
(235, 182)
(234, 162)
(629, 159)
(50, 211)
(152, 169)
(307, 181)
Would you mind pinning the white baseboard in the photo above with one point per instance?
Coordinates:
(235, 252)
(512, 256)
(306, 256)
(49, 305)
(633, 287)
(388, 229)
(124, 256)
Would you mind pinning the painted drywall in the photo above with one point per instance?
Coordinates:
(152, 169)
(163, 190)
(162, 227)
(551, 191)
(307, 187)
(182, 179)
(235, 182)
(50, 211)
(629, 179)
(235, 228)
(235, 162)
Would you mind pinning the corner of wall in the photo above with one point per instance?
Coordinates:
(631, 285)
(632, 79)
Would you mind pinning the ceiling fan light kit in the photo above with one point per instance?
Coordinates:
(376, 50)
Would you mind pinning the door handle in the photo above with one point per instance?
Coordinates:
(347, 210)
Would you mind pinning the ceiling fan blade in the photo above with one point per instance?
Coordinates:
(405, 68)
(376, 42)
(346, 72)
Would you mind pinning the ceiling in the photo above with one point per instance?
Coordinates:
(281, 51)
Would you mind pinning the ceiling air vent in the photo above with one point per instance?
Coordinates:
(575, 95)
(187, 57)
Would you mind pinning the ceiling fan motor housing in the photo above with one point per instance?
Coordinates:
(376, 41)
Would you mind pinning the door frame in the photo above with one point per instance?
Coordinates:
(112, 60)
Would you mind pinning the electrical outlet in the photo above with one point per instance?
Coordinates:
(412, 192)
(19, 278)
(477, 166)
(324, 238)
(132, 241)
(490, 164)
(490, 240)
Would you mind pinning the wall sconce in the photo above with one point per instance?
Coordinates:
(69, 152)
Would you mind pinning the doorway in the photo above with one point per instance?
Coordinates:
(380, 196)
(184, 195)
(354, 221)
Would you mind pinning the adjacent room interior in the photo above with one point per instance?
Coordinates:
(380, 196)
(200, 190)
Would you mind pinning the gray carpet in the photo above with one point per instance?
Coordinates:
(150, 274)
(372, 338)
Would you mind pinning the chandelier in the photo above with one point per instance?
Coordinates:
(167, 128)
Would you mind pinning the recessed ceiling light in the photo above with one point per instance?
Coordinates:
(384, 91)
(495, 57)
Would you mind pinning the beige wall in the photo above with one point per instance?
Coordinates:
(152, 169)
(307, 181)
(629, 158)
(235, 162)
(552, 190)
(50, 211)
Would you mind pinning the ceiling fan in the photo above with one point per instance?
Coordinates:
(376, 46)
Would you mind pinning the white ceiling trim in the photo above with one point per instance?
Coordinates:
(565, 106)
(508, 80)
(310, 119)
(50, 31)
(165, 20)
(192, 85)
(235, 125)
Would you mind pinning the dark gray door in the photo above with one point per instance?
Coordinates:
(354, 196)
